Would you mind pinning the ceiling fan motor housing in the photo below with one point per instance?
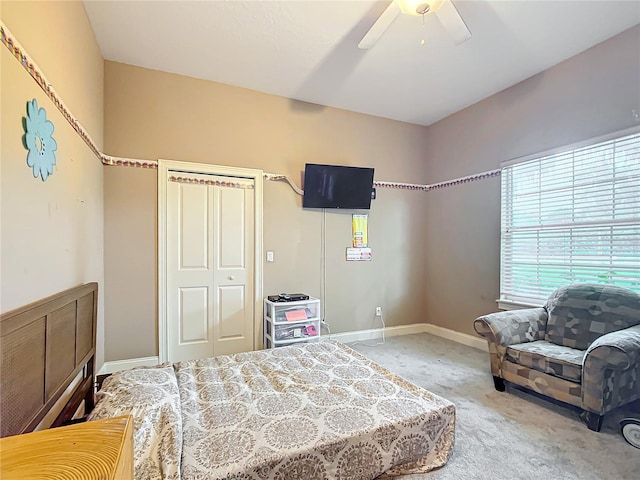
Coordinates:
(423, 8)
(419, 7)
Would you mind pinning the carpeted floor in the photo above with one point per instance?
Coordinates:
(510, 435)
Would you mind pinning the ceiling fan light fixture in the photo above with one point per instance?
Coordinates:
(419, 7)
(445, 11)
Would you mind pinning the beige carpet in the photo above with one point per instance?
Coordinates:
(509, 435)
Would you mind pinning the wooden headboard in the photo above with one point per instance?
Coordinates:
(44, 347)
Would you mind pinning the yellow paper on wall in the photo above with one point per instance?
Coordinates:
(359, 228)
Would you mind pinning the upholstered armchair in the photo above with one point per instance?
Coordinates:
(582, 347)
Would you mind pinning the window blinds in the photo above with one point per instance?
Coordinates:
(569, 217)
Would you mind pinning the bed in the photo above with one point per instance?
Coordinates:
(306, 411)
(312, 411)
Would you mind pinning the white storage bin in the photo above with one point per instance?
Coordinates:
(291, 322)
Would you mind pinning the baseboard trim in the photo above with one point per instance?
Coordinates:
(345, 337)
(468, 340)
(376, 333)
(117, 365)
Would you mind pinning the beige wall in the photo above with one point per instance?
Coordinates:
(51, 232)
(436, 254)
(586, 96)
(151, 115)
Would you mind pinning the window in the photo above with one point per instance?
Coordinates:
(571, 216)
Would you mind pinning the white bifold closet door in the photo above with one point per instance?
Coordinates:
(209, 268)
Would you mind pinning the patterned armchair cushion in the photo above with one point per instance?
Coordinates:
(580, 313)
(557, 360)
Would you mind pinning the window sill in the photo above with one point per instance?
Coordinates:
(513, 305)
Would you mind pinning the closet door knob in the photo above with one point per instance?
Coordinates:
(231, 277)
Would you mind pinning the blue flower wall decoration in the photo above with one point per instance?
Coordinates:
(39, 141)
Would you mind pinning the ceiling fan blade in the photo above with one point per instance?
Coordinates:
(378, 28)
(453, 23)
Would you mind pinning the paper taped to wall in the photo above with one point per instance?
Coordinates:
(358, 254)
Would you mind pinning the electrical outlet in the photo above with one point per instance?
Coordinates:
(378, 311)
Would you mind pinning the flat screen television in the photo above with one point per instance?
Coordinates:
(336, 186)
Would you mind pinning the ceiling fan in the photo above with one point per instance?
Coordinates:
(444, 10)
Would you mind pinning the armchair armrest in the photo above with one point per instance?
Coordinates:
(618, 350)
(611, 370)
(507, 328)
(512, 326)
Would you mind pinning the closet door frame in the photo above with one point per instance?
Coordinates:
(164, 168)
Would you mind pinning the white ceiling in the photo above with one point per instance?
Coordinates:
(307, 49)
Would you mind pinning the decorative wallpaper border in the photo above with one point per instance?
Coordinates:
(467, 179)
(434, 186)
(276, 177)
(127, 162)
(206, 181)
(32, 69)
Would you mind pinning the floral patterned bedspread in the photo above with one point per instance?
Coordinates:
(306, 411)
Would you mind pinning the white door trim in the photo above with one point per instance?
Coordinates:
(164, 166)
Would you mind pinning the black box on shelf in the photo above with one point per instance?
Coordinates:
(288, 297)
